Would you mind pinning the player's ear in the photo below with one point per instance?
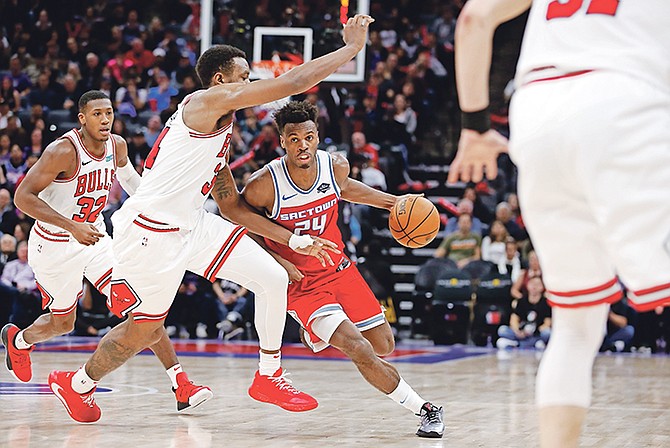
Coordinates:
(82, 118)
(218, 78)
(282, 142)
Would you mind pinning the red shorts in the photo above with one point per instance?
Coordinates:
(347, 292)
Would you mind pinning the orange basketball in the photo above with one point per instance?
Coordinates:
(414, 221)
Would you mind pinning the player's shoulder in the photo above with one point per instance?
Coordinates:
(259, 179)
(118, 139)
(61, 147)
(340, 164)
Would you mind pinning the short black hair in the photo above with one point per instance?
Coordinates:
(295, 112)
(90, 96)
(218, 58)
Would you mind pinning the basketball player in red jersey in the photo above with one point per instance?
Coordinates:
(163, 229)
(590, 134)
(65, 192)
(334, 305)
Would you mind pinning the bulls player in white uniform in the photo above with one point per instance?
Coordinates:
(333, 304)
(66, 191)
(163, 229)
(590, 133)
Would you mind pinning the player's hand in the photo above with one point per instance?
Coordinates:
(320, 249)
(398, 199)
(86, 234)
(477, 153)
(294, 274)
(355, 32)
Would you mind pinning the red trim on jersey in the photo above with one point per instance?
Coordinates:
(609, 299)
(553, 78)
(76, 153)
(584, 292)
(47, 299)
(153, 225)
(55, 237)
(195, 134)
(89, 153)
(223, 254)
(103, 280)
(144, 317)
(642, 307)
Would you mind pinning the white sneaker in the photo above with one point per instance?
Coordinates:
(201, 331)
(504, 343)
(619, 345)
(540, 345)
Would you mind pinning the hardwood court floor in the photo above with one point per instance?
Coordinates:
(487, 399)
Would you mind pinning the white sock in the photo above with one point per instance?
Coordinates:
(269, 363)
(405, 396)
(172, 372)
(81, 382)
(21, 343)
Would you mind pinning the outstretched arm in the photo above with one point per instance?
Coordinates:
(59, 157)
(128, 177)
(205, 108)
(479, 146)
(236, 209)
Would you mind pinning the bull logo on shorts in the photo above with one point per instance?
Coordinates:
(122, 299)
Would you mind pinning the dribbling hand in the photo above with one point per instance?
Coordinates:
(86, 234)
(355, 32)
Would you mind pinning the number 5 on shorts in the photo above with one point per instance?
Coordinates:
(122, 299)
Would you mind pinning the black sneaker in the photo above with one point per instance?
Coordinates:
(432, 421)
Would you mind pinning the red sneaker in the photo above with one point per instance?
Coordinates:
(17, 360)
(81, 407)
(188, 394)
(277, 389)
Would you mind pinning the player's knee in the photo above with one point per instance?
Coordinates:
(143, 334)
(275, 277)
(359, 350)
(384, 346)
(63, 324)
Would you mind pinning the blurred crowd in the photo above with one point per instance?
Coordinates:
(142, 55)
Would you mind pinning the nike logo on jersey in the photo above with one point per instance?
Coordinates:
(286, 198)
(86, 163)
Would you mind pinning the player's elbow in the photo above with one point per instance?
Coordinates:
(475, 15)
(21, 197)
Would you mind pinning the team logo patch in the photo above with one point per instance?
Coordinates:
(109, 158)
(323, 187)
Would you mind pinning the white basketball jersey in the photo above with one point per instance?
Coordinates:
(180, 172)
(629, 36)
(83, 196)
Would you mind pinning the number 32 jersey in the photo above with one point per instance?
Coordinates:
(308, 212)
(83, 196)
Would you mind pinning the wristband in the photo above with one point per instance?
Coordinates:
(299, 241)
(479, 121)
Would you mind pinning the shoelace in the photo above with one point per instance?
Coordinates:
(433, 416)
(89, 401)
(284, 383)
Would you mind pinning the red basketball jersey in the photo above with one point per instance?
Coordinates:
(308, 212)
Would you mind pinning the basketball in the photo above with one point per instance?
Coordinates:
(414, 221)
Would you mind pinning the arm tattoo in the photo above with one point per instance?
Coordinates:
(223, 188)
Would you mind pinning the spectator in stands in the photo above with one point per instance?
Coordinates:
(376, 51)
(10, 95)
(18, 275)
(130, 99)
(462, 246)
(189, 86)
(5, 113)
(133, 29)
(410, 43)
(620, 332)
(7, 293)
(511, 261)
(20, 80)
(493, 244)
(266, 146)
(404, 121)
(17, 134)
(138, 148)
(154, 128)
(44, 94)
(158, 97)
(7, 250)
(8, 217)
(36, 145)
(444, 27)
(520, 286)
(119, 66)
(15, 167)
(504, 214)
(465, 206)
(5, 147)
(231, 304)
(22, 230)
(73, 52)
(91, 73)
(140, 56)
(369, 151)
(480, 210)
(530, 322)
(71, 94)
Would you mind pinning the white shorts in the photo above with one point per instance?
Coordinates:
(60, 264)
(593, 153)
(152, 257)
